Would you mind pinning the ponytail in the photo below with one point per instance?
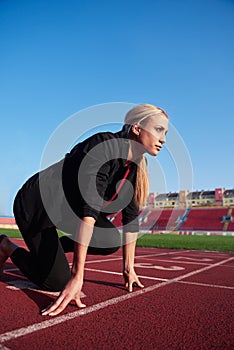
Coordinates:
(142, 183)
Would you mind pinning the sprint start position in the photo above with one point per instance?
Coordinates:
(105, 174)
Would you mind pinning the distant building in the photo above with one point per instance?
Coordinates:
(218, 197)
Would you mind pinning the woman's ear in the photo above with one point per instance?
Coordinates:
(136, 129)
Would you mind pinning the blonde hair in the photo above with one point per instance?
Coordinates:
(136, 115)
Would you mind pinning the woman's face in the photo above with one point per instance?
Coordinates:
(153, 134)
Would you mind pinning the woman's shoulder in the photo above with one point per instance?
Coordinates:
(105, 144)
(107, 135)
(90, 142)
(105, 140)
(100, 137)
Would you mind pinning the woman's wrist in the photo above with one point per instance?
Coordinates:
(77, 268)
(128, 269)
(79, 276)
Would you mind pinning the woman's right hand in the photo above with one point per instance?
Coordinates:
(72, 291)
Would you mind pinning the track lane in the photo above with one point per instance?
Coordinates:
(112, 286)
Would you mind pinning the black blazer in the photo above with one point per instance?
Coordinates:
(82, 184)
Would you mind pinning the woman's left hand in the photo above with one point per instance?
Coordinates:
(131, 279)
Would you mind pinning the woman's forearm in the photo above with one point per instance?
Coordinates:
(83, 237)
(129, 273)
(129, 245)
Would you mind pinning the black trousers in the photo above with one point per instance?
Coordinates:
(45, 263)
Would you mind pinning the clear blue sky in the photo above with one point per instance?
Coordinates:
(59, 57)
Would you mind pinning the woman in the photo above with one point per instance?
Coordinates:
(76, 195)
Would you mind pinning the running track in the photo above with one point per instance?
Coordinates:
(187, 303)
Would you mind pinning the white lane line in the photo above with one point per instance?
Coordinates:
(179, 262)
(60, 319)
(206, 285)
(211, 252)
(120, 274)
(137, 256)
(191, 259)
(21, 284)
(184, 262)
(203, 269)
(144, 265)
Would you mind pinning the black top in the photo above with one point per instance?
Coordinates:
(91, 173)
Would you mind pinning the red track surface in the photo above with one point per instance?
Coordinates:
(187, 303)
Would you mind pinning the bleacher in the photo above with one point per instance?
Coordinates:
(169, 219)
(190, 219)
(148, 218)
(230, 220)
(7, 222)
(205, 219)
(230, 227)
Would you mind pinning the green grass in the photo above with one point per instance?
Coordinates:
(199, 242)
(172, 241)
(10, 232)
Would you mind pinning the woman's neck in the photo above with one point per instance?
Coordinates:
(135, 150)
